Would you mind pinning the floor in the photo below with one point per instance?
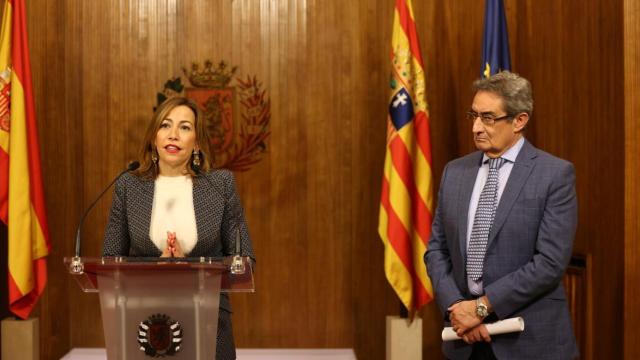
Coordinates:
(243, 354)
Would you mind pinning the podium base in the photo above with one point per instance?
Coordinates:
(243, 354)
(404, 340)
(20, 339)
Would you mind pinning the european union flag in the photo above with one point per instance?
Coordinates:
(495, 42)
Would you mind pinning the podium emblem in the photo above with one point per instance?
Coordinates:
(159, 336)
(237, 111)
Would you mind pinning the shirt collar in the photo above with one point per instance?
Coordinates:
(511, 154)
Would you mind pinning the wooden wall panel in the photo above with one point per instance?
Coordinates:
(61, 165)
(299, 199)
(577, 283)
(572, 53)
(312, 202)
(632, 178)
(4, 301)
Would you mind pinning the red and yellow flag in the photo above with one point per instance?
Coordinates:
(406, 204)
(22, 205)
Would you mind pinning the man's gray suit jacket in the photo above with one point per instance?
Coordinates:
(528, 250)
(217, 209)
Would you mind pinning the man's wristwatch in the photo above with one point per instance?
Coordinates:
(482, 311)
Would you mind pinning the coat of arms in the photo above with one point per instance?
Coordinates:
(5, 99)
(237, 112)
(159, 336)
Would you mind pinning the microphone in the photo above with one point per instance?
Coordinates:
(131, 167)
(237, 265)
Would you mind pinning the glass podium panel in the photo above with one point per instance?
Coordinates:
(156, 307)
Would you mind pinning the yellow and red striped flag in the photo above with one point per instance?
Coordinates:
(22, 205)
(406, 204)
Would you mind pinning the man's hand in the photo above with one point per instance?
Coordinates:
(463, 316)
(477, 334)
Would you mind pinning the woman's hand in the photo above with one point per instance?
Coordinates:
(173, 248)
(174, 245)
(166, 253)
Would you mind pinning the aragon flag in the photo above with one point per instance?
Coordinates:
(406, 204)
(22, 204)
(495, 40)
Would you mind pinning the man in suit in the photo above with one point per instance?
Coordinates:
(503, 233)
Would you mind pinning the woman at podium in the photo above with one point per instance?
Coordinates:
(176, 205)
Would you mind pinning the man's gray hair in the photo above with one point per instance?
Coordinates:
(514, 90)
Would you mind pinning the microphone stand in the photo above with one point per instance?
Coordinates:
(237, 264)
(76, 266)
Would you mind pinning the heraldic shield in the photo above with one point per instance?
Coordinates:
(217, 105)
(237, 112)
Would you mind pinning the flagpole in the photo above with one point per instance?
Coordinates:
(404, 313)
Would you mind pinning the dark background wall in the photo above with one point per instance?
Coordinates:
(312, 202)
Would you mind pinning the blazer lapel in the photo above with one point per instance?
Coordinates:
(464, 198)
(519, 174)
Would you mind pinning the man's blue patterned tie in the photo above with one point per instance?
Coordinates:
(485, 213)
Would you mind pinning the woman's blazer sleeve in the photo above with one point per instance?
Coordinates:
(116, 235)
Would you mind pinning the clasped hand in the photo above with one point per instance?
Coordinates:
(466, 323)
(173, 248)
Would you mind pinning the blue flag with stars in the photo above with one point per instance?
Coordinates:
(495, 41)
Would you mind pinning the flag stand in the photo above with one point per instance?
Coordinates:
(20, 338)
(403, 338)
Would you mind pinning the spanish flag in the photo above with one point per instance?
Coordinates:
(22, 205)
(406, 204)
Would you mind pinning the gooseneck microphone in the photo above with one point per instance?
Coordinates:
(131, 167)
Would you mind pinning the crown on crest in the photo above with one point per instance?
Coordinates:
(209, 76)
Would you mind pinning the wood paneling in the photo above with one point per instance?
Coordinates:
(312, 202)
(4, 302)
(572, 52)
(632, 178)
(97, 67)
(61, 166)
(577, 284)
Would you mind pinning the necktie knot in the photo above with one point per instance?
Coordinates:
(496, 163)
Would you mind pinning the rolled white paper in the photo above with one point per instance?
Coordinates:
(496, 328)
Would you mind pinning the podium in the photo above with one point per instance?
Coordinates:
(156, 307)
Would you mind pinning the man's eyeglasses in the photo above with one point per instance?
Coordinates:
(486, 118)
